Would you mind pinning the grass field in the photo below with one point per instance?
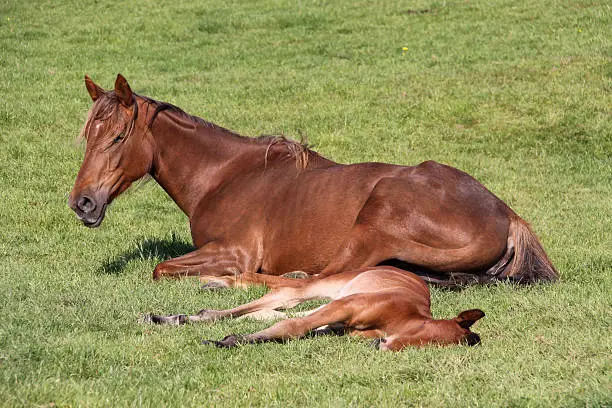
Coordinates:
(517, 93)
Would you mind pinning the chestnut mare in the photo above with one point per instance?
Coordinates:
(271, 206)
(383, 303)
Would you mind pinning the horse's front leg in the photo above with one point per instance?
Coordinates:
(213, 259)
(247, 279)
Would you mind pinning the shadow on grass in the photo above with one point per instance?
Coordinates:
(147, 249)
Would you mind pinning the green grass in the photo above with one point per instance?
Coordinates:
(517, 93)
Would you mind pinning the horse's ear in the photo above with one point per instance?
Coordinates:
(467, 318)
(123, 91)
(95, 91)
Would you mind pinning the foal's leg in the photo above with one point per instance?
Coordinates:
(338, 311)
(280, 298)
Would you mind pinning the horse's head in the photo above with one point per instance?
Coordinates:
(117, 152)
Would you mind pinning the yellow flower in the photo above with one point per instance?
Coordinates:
(404, 49)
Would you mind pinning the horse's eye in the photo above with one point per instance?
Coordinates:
(118, 138)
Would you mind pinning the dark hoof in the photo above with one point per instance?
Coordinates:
(230, 341)
(167, 320)
(214, 285)
(296, 275)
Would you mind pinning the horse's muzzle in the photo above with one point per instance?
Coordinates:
(89, 209)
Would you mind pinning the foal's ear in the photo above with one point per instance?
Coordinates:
(95, 91)
(123, 91)
(467, 318)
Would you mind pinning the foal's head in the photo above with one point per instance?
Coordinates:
(116, 155)
(442, 332)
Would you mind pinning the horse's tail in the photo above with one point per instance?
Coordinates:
(529, 262)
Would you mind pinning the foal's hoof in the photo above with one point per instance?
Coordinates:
(230, 341)
(174, 320)
(214, 285)
(296, 275)
(145, 319)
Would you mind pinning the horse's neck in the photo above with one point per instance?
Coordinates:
(191, 159)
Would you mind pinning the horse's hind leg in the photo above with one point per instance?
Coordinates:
(369, 247)
(414, 226)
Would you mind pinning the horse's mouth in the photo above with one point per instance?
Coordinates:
(91, 222)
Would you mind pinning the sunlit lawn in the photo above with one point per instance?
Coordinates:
(517, 93)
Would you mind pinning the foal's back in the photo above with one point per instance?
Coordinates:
(382, 279)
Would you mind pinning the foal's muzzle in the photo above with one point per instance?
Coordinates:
(472, 339)
(89, 208)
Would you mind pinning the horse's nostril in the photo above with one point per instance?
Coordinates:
(86, 204)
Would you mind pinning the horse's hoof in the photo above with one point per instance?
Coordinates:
(296, 275)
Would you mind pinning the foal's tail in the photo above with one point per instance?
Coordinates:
(530, 262)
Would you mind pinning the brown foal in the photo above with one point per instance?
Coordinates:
(271, 206)
(384, 303)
